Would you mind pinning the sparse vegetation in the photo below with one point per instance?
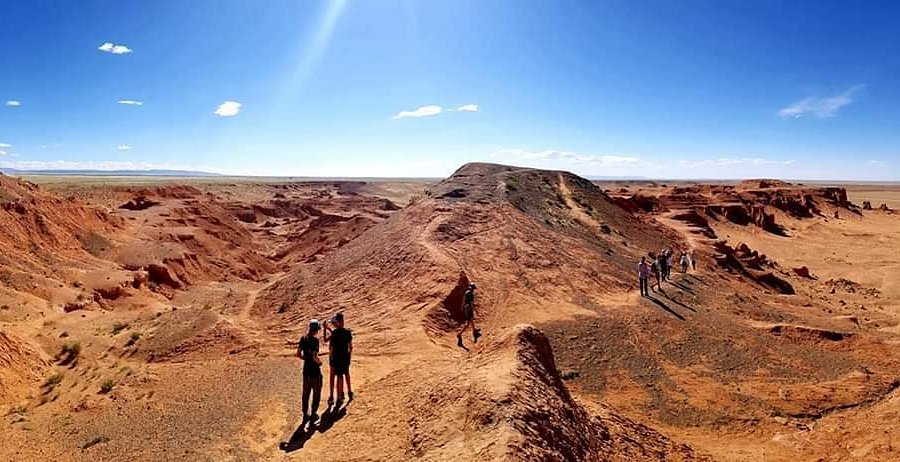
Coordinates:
(71, 350)
(135, 336)
(107, 386)
(4, 307)
(119, 327)
(19, 410)
(64, 334)
(55, 379)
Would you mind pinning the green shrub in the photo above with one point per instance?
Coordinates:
(135, 336)
(55, 379)
(71, 349)
(107, 386)
(119, 327)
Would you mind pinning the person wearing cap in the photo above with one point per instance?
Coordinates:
(308, 351)
(468, 316)
(340, 346)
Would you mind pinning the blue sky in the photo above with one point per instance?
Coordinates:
(686, 89)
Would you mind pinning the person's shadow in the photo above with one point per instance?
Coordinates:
(305, 431)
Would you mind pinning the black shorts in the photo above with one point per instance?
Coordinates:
(468, 312)
(340, 366)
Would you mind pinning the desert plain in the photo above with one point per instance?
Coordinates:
(157, 319)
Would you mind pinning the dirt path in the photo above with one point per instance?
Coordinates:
(574, 208)
(691, 234)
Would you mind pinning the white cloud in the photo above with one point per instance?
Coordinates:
(729, 161)
(424, 111)
(874, 162)
(109, 47)
(131, 102)
(228, 109)
(468, 108)
(5, 145)
(13, 103)
(2, 153)
(123, 147)
(606, 160)
(821, 108)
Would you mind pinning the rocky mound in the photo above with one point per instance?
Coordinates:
(559, 200)
(522, 235)
(760, 203)
(746, 214)
(513, 231)
(39, 227)
(743, 260)
(197, 240)
(763, 183)
(518, 408)
(21, 365)
(555, 427)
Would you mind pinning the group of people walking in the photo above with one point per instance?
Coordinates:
(660, 265)
(340, 347)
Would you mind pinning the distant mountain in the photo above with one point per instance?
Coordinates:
(13, 171)
(616, 178)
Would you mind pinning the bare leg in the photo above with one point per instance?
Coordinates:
(340, 380)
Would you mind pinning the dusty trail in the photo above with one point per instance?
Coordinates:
(691, 234)
(576, 210)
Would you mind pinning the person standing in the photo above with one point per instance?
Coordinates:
(644, 276)
(468, 317)
(684, 262)
(340, 347)
(670, 262)
(693, 261)
(662, 262)
(308, 351)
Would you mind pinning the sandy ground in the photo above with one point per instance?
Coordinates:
(185, 313)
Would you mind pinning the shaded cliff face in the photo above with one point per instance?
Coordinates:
(760, 203)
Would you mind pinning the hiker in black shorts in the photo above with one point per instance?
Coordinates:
(308, 351)
(340, 346)
(468, 316)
